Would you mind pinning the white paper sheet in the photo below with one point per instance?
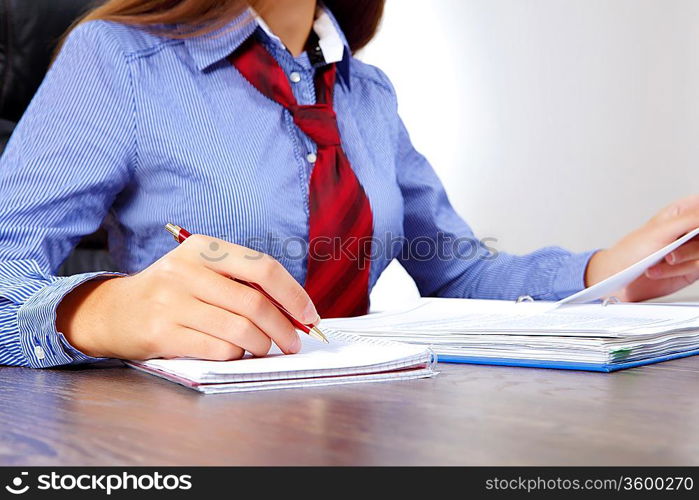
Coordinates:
(435, 316)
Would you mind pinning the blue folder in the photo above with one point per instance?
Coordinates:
(561, 365)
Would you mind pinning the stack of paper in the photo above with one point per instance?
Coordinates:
(346, 359)
(571, 333)
(585, 337)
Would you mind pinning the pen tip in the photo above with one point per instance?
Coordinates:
(317, 334)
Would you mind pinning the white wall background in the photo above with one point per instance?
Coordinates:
(563, 122)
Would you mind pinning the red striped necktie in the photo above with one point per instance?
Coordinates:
(341, 222)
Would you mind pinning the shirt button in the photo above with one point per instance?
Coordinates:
(295, 77)
(39, 352)
(311, 157)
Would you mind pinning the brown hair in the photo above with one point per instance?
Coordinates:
(359, 19)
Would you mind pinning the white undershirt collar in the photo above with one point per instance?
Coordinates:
(329, 40)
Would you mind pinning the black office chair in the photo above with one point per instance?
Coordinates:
(29, 32)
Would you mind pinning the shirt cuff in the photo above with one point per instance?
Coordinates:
(42, 345)
(570, 277)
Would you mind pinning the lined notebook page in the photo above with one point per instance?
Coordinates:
(345, 355)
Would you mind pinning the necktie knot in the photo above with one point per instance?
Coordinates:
(318, 122)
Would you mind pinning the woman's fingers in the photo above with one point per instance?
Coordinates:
(687, 252)
(241, 300)
(663, 270)
(240, 262)
(683, 262)
(185, 342)
(224, 325)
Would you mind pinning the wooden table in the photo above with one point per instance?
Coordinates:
(111, 415)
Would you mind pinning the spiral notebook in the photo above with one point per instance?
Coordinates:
(347, 359)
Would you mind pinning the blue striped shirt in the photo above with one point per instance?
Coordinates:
(132, 129)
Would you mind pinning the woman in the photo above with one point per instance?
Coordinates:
(252, 126)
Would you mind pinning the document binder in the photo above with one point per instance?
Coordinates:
(562, 365)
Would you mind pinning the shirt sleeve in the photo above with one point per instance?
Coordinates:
(446, 259)
(69, 157)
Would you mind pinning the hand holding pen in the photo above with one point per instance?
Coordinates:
(196, 301)
(181, 234)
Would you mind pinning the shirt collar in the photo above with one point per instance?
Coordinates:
(207, 50)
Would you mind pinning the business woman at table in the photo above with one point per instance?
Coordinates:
(252, 125)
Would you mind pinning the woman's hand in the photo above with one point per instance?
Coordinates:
(679, 269)
(186, 305)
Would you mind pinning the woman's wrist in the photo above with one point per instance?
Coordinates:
(83, 318)
(601, 266)
(595, 268)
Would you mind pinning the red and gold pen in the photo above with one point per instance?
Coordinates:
(181, 234)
